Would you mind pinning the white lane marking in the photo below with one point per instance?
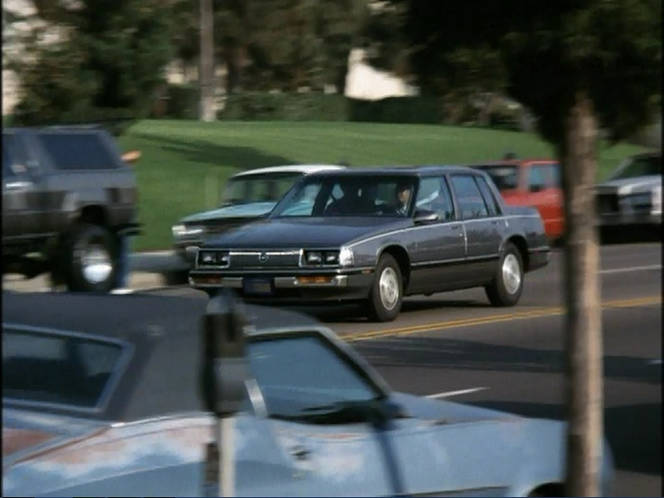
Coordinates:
(456, 393)
(633, 268)
(655, 362)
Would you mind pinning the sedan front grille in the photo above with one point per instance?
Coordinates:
(264, 259)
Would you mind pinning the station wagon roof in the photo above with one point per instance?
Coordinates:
(400, 170)
(292, 168)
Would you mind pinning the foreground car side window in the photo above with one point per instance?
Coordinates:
(55, 368)
(299, 374)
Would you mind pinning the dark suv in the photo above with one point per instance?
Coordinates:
(67, 197)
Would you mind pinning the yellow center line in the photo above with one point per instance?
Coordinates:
(505, 317)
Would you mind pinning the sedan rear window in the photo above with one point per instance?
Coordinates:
(58, 368)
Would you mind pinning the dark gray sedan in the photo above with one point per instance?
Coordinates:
(376, 235)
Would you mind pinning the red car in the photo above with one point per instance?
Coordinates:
(531, 182)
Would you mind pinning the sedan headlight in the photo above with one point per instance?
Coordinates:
(346, 257)
(183, 231)
(207, 257)
(321, 258)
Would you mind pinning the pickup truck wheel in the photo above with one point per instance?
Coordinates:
(386, 294)
(507, 285)
(90, 259)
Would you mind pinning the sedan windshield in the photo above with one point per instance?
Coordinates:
(349, 195)
(268, 187)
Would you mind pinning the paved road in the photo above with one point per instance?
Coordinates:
(512, 358)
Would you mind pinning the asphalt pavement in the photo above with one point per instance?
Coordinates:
(455, 345)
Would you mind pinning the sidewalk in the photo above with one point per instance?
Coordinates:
(147, 272)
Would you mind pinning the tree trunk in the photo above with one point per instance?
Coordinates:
(583, 338)
(206, 71)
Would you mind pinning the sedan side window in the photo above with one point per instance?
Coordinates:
(469, 197)
(489, 198)
(433, 195)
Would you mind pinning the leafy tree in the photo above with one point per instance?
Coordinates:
(580, 66)
(93, 59)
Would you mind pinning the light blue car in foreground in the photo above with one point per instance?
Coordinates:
(101, 398)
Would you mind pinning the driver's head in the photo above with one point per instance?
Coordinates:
(403, 193)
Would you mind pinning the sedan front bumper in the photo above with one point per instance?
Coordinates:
(300, 287)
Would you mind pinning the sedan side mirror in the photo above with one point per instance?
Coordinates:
(423, 216)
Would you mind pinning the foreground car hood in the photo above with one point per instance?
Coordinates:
(304, 232)
(249, 210)
(626, 186)
(446, 411)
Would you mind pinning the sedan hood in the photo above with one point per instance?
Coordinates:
(304, 232)
(248, 210)
(626, 186)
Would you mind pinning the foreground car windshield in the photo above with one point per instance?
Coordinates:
(269, 187)
(640, 166)
(349, 196)
(299, 376)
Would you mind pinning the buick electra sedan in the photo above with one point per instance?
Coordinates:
(376, 235)
(101, 397)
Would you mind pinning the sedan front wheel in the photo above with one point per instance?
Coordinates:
(386, 293)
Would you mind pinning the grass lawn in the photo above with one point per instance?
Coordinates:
(184, 163)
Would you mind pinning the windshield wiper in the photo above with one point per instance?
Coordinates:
(344, 412)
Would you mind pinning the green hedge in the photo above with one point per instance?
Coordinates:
(260, 106)
(181, 102)
(425, 110)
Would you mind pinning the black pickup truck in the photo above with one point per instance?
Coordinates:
(67, 198)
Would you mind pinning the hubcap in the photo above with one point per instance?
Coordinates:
(511, 273)
(389, 288)
(96, 264)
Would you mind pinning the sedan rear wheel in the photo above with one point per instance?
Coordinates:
(507, 285)
(386, 293)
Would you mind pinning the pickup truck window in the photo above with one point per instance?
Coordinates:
(77, 151)
(469, 197)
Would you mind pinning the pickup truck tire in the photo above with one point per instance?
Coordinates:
(90, 258)
(506, 287)
(386, 293)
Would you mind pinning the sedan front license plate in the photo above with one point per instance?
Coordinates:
(257, 286)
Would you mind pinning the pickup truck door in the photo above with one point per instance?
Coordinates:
(545, 194)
